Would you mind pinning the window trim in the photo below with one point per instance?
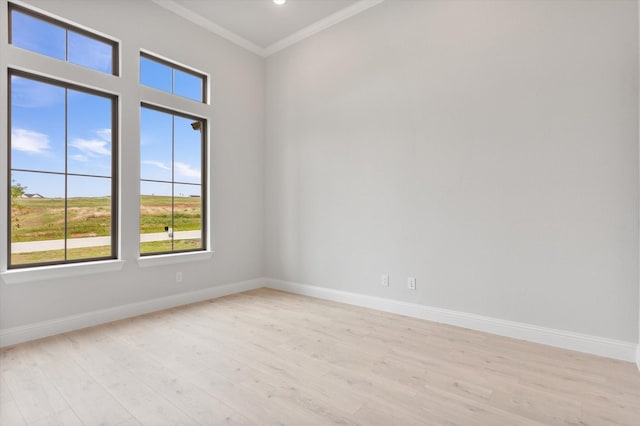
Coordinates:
(152, 259)
(114, 169)
(50, 272)
(175, 66)
(115, 45)
(204, 179)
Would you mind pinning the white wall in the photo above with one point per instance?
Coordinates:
(488, 148)
(236, 158)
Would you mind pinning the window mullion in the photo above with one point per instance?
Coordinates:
(66, 170)
(173, 181)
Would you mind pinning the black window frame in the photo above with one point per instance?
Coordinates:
(115, 46)
(203, 180)
(114, 169)
(174, 67)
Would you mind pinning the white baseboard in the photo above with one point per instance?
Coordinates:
(610, 348)
(12, 336)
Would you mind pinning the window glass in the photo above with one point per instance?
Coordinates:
(37, 125)
(88, 133)
(187, 214)
(38, 35)
(171, 195)
(156, 146)
(59, 40)
(37, 218)
(61, 182)
(90, 53)
(187, 85)
(88, 217)
(187, 151)
(156, 217)
(171, 79)
(156, 75)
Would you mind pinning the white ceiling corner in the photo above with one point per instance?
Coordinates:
(262, 27)
(320, 25)
(205, 23)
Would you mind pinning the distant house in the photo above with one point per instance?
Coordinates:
(32, 196)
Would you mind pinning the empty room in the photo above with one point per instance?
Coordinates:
(314, 212)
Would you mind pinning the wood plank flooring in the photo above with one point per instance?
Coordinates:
(268, 358)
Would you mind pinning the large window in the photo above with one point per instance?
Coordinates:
(172, 172)
(172, 78)
(42, 34)
(62, 172)
(62, 153)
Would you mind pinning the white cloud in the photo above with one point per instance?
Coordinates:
(158, 164)
(186, 170)
(104, 134)
(182, 169)
(94, 55)
(29, 141)
(91, 147)
(27, 93)
(80, 157)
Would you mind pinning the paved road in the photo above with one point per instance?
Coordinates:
(32, 246)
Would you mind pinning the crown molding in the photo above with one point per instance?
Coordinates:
(190, 15)
(308, 31)
(320, 25)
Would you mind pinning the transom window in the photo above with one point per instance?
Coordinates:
(172, 190)
(42, 34)
(172, 78)
(62, 172)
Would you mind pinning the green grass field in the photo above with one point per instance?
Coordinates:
(155, 214)
(43, 219)
(97, 252)
(164, 246)
(58, 255)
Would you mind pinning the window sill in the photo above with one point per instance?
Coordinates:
(168, 259)
(41, 273)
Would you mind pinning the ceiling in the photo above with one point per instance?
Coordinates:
(262, 26)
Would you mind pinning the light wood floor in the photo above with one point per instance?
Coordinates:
(266, 357)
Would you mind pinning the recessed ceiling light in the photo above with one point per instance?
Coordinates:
(279, 2)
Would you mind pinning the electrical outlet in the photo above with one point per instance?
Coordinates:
(385, 280)
(411, 283)
(178, 277)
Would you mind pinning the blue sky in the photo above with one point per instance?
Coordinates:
(38, 137)
(43, 37)
(159, 76)
(156, 154)
(38, 123)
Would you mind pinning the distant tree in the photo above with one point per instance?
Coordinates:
(17, 191)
